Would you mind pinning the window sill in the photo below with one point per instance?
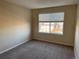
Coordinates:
(51, 33)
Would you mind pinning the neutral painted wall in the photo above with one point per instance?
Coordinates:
(77, 36)
(14, 25)
(69, 25)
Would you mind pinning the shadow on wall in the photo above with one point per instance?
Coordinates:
(14, 25)
(12, 32)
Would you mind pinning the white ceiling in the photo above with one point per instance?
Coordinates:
(42, 3)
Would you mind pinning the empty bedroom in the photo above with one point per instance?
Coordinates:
(39, 29)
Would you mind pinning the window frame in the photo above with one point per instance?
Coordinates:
(50, 24)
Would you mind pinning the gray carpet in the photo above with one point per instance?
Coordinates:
(39, 50)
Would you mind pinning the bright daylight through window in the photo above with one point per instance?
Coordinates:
(51, 23)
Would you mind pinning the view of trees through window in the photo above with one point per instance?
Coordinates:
(51, 23)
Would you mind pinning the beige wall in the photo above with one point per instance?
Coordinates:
(77, 36)
(69, 25)
(14, 25)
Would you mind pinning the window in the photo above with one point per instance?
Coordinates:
(51, 23)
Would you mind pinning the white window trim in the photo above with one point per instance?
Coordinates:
(50, 26)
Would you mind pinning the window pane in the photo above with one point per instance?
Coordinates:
(57, 27)
(43, 27)
(52, 17)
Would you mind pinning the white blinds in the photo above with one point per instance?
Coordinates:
(52, 17)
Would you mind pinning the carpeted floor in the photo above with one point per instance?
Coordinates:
(39, 50)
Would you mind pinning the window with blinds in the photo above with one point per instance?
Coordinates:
(51, 23)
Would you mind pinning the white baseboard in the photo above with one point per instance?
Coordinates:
(61, 43)
(75, 53)
(13, 47)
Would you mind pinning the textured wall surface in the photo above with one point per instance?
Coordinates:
(69, 25)
(14, 25)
